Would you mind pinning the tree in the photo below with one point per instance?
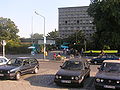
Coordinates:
(37, 36)
(53, 34)
(76, 40)
(8, 30)
(106, 14)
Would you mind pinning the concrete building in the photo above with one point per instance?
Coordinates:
(73, 19)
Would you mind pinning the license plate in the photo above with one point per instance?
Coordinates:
(65, 81)
(108, 86)
(1, 74)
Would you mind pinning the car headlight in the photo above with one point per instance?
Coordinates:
(8, 71)
(72, 78)
(97, 80)
(101, 80)
(118, 82)
(56, 76)
(76, 78)
(60, 77)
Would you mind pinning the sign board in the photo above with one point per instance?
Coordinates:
(47, 42)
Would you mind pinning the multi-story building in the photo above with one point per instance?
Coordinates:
(73, 19)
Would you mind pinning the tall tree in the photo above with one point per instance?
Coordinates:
(8, 30)
(106, 14)
(37, 36)
(53, 34)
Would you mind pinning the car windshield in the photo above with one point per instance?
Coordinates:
(72, 65)
(1, 60)
(15, 62)
(111, 67)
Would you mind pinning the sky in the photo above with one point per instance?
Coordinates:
(22, 13)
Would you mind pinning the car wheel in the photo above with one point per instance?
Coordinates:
(36, 70)
(95, 62)
(98, 88)
(18, 76)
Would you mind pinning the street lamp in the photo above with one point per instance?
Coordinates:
(44, 33)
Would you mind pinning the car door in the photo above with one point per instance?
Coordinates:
(26, 66)
(33, 63)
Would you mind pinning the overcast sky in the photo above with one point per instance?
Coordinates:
(22, 13)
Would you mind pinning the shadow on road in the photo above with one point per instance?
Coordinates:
(47, 80)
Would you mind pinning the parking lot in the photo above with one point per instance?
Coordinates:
(44, 80)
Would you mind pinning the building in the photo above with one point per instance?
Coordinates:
(74, 19)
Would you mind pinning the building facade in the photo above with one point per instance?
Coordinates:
(74, 19)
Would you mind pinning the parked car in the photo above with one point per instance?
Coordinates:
(101, 58)
(19, 66)
(108, 75)
(73, 72)
(3, 60)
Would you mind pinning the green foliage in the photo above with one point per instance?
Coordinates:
(76, 40)
(106, 14)
(53, 34)
(37, 36)
(8, 30)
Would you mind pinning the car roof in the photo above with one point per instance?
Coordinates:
(24, 57)
(111, 61)
(77, 59)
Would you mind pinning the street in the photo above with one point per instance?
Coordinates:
(44, 79)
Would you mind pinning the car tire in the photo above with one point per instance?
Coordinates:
(18, 76)
(35, 70)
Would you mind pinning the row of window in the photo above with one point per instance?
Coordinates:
(78, 28)
(78, 9)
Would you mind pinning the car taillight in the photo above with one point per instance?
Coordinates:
(118, 58)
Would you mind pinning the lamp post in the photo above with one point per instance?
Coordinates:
(43, 34)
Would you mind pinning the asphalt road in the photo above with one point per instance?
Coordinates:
(44, 79)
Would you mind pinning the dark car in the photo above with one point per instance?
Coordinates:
(73, 72)
(19, 66)
(108, 75)
(101, 58)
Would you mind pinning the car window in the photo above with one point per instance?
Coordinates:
(15, 61)
(25, 61)
(110, 67)
(73, 65)
(32, 60)
(1, 60)
(104, 56)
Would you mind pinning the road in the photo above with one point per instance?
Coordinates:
(44, 79)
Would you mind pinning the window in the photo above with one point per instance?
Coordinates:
(78, 22)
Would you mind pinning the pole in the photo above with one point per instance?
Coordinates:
(43, 34)
(85, 44)
(3, 43)
(4, 50)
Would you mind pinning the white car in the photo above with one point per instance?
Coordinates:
(3, 60)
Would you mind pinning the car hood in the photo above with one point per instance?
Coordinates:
(7, 67)
(65, 72)
(108, 75)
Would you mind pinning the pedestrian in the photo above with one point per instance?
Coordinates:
(58, 57)
(54, 56)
